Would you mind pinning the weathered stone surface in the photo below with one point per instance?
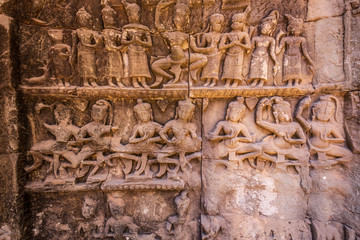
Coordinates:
(324, 9)
(329, 50)
(176, 119)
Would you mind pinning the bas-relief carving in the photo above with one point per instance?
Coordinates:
(325, 137)
(201, 59)
(248, 59)
(94, 153)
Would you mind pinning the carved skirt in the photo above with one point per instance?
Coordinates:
(259, 67)
(292, 67)
(233, 66)
(138, 63)
(114, 65)
(212, 68)
(87, 64)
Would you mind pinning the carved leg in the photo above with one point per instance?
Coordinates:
(214, 82)
(67, 82)
(86, 82)
(297, 81)
(254, 82)
(261, 83)
(143, 82)
(342, 155)
(236, 83)
(158, 67)
(227, 83)
(207, 83)
(38, 161)
(110, 82)
(135, 82)
(56, 165)
(119, 83)
(93, 82)
(197, 61)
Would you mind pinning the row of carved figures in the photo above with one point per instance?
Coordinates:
(118, 225)
(86, 149)
(126, 52)
(286, 143)
(92, 147)
(95, 223)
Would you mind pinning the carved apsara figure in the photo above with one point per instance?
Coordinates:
(285, 146)
(263, 49)
(324, 134)
(87, 41)
(92, 224)
(235, 43)
(119, 226)
(295, 47)
(208, 44)
(95, 138)
(181, 226)
(144, 138)
(185, 140)
(63, 131)
(178, 61)
(138, 39)
(114, 69)
(59, 59)
(287, 133)
(236, 142)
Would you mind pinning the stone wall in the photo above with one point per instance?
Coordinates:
(180, 119)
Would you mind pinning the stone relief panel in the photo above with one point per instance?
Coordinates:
(178, 119)
(111, 149)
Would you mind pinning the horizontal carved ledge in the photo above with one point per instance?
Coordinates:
(194, 92)
(104, 92)
(114, 185)
(250, 92)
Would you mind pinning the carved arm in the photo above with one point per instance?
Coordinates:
(298, 115)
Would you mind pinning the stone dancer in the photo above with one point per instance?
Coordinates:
(208, 44)
(87, 41)
(264, 49)
(325, 136)
(295, 47)
(138, 39)
(114, 69)
(235, 43)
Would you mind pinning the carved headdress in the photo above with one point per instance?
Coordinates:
(325, 101)
(61, 112)
(187, 103)
(294, 22)
(103, 105)
(272, 18)
(83, 13)
(237, 105)
(281, 106)
(241, 17)
(107, 10)
(141, 107)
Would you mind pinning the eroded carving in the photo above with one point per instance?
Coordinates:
(207, 43)
(179, 61)
(181, 226)
(263, 50)
(114, 68)
(295, 48)
(324, 135)
(286, 145)
(236, 43)
(236, 143)
(137, 39)
(86, 41)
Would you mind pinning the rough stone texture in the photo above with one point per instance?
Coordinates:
(180, 119)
